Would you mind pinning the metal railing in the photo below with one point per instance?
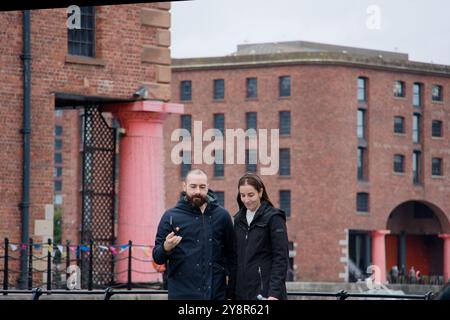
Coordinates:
(52, 262)
(36, 293)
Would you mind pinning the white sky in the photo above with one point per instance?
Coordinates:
(421, 28)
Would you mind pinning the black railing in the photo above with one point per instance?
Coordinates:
(54, 271)
(109, 292)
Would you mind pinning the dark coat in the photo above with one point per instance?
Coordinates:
(261, 255)
(197, 267)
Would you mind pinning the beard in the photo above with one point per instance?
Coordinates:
(197, 199)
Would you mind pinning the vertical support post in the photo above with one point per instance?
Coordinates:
(49, 266)
(5, 270)
(30, 264)
(91, 257)
(130, 243)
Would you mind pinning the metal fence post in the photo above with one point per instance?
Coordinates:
(130, 243)
(49, 266)
(30, 264)
(91, 256)
(5, 270)
(67, 261)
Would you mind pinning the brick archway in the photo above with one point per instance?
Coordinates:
(414, 242)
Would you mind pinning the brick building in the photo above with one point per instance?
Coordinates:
(116, 50)
(363, 149)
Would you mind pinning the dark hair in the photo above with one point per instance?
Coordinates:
(255, 181)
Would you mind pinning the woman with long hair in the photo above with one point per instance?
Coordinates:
(261, 253)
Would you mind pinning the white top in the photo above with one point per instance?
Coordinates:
(251, 215)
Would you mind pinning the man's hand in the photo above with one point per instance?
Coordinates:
(172, 241)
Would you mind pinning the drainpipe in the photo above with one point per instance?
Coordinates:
(26, 131)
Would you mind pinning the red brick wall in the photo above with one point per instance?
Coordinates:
(124, 33)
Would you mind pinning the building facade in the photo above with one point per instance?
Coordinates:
(363, 151)
(115, 51)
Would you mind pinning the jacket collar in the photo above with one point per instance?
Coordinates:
(241, 215)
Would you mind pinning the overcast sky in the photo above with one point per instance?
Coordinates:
(420, 28)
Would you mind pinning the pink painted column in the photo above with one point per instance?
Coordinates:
(379, 254)
(446, 238)
(141, 183)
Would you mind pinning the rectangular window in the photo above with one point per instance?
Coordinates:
(252, 88)
(251, 160)
(81, 42)
(57, 172)
(58, 144)
(285, 162)
(285, 86)
(285, 123)
(362, 202)
(436, 93)
(219, 122)
(399, 125)
(436, 167)
(399, 163)
(416, 128)
(186, 163)
(57, 199)
(417, 94)
(362, 92)
(219, 89)
(399, 89)
(285, 202)
(186, 122)
(58, 185)
(219, 167)
(361, 163)
(58, 130)
(416, 167)
(251, 120)
(220, 195)
(361, 130)
(436, 128)
(186, 90)
(58, 158)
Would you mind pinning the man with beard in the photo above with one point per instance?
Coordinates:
(195, 240)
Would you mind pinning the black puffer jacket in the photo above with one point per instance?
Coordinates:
(261, 255)
(199, 264)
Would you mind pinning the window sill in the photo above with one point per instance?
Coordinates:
(437, 138)
(399, 174)
(219, 178)
(219, 100)
(400, 97)
(85, 60)
(362, 213)
(437, 177)
(285, 135)
(251, 99)
(186, 101)
(403, 134)
(284, 97)
(437, 101)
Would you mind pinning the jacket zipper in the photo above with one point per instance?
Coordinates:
(260, 278)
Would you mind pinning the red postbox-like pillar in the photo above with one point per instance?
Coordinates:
(141, 182)
(379, 254)
(446, 239)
